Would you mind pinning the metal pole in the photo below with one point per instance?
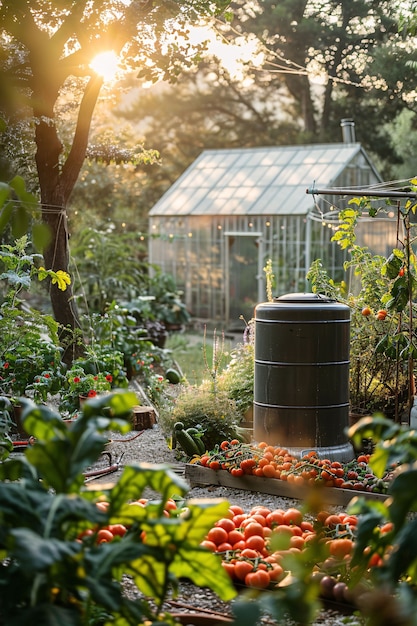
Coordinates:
(361, 192)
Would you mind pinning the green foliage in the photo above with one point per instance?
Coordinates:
(107, 269)
(395, 448)
(236, 380)
(215, 414)
(381, 349)
(49, 574)
(30, 355)
(168, 306)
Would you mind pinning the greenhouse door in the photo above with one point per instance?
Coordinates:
(243, 272)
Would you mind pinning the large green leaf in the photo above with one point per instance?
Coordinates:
(21, 506)
(403, 491)
(47, 615)
(36, 554)
(183, 556)
(53, 460)
(41, 421)
(135, 478)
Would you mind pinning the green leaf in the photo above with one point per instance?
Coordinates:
(403, 490)
(136, 478)
(204, 569)
(5, 214)
(41, 235)
(41, 421)
(405, 553)
(48, 615)
(20, 221)
(36, 553)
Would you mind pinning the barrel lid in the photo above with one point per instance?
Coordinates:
(305, 297)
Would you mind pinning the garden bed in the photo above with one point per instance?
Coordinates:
(198, 475)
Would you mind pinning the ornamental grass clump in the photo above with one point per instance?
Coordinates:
(214, 415)
(205, 407)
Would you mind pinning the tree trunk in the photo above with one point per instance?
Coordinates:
(56, 184)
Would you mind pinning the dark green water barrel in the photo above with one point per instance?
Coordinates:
(301, 392)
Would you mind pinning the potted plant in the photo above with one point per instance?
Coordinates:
(79, 386)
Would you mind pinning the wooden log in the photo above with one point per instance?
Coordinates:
(198, 475)
(143, 417)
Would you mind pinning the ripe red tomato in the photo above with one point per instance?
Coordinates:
(234, 536)
(235, 509)
(224, 547)
(259, 579)
(293, 516)
(217, 535)
(255, 542)
(230, 569)
(117, 530)
(104, 535)
(381, 314)
(253, 528)
(248, 553)
(209, 545)
(226, 523)
(275, 518)
(242, 569)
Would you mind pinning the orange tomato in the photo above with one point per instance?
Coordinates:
(253, 528)
(339, 548)
(234, 536)
(104, 536)
(242, 569)
(255, 542)
(117, 530)
(259, 579)
(217, 535)
(226, 523)
(332, 521)
(293, 516)
(260, 510)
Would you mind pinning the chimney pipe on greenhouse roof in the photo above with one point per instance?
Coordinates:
(348, 130)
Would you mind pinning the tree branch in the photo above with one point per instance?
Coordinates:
(75, 159)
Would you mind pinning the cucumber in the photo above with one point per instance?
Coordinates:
(173, 376)
(196, 435)
(178, 426)
(187, 443)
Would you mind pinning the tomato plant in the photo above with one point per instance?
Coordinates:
(64, 547)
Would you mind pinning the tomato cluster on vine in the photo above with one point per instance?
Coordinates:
(247, 544)
(268, 461)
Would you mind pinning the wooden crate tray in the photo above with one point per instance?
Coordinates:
(198, 475)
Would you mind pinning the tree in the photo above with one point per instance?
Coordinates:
(47, 48)
(323, 60)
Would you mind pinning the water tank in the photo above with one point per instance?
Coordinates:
(301, 387)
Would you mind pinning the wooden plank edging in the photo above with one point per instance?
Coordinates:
(199, 475)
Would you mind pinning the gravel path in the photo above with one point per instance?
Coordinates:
(151, 447)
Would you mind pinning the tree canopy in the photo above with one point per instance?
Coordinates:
(46, 52)
(322, 60)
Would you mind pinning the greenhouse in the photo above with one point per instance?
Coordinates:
(233, 209)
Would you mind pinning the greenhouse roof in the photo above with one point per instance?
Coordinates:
(256, 181)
